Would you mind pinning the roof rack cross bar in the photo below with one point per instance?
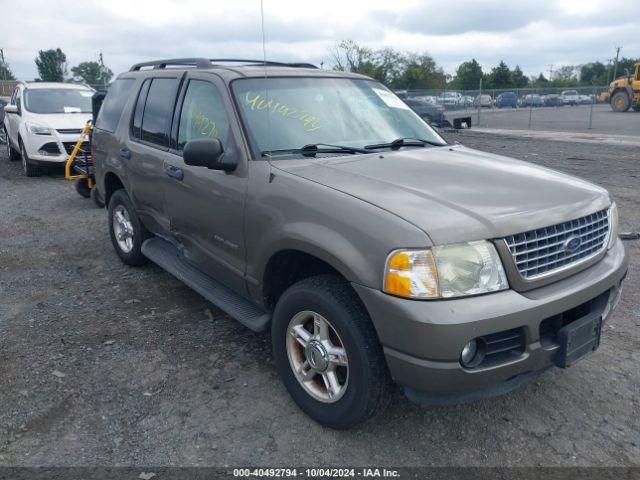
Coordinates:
(209, 63)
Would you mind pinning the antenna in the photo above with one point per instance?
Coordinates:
(264, 60)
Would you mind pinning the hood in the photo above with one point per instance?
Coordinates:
(454, 193)
(59, 121)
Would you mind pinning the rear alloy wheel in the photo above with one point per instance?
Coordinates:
(620, 102)
(29, 169)
(126, 230)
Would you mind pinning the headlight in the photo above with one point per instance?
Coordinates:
(445, 271)
(613, 225)
(36, 129)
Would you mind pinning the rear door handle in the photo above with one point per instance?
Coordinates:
(125, 153)
(175, 172)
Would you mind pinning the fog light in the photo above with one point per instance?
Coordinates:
(469, 353)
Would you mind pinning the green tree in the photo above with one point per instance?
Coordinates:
(520, 80)
(420, 71)
(500, 77)
(52, 65)
(540, 82)
(468, 75)
(93, 73)
(594, 73)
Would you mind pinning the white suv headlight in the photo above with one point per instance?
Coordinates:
(36, 129)
(445, 271)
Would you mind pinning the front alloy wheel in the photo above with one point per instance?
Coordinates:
(317, 356)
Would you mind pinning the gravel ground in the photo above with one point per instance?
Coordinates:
(101, 364)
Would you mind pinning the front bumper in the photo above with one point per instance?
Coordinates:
(422, 340)
(36, 144)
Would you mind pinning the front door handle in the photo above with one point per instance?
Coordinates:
(175, 172)
(125, 153)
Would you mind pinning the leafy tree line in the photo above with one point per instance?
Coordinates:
(420, 71)
(52, 67)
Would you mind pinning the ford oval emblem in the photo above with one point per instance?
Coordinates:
(572, 244)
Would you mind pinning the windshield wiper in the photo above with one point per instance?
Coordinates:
(404, 142)
(312, 149)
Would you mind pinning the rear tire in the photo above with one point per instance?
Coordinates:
(12, 153)
(126, 230)
(364, 389)
(620, 102)
(29, 169)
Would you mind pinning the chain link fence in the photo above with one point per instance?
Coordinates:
(569, 109)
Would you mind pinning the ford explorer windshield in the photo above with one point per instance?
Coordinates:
(283, 115)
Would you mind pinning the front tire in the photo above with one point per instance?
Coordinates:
(126, 230)
(29, 169)
(328, 354)
(620, 102)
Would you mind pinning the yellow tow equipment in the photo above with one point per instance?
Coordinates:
(79, 166)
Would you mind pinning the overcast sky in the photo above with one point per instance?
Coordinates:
(532, 33)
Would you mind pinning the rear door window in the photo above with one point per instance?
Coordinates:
(158, 110)
(113, 104)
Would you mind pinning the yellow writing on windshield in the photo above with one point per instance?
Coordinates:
(258, 102)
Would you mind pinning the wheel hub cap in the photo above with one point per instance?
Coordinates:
(317, 356)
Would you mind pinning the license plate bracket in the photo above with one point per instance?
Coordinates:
(578, 339)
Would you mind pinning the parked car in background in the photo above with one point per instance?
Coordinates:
(570, 97)
(483, 100)
(507, 99)
(433, 114)
(552, 100)
(450, 99)
(466, 101)
(531, 100)
(586, 100)
(43, 121)
(373, 250)
(4, 101)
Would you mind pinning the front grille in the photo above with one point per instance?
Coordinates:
(65, 131)
(544, 250)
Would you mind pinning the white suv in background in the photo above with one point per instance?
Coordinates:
(43, 122)
(570, 97)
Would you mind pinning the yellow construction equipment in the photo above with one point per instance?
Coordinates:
(624, 92)
(79, 166)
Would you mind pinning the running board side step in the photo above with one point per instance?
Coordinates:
(168, 257)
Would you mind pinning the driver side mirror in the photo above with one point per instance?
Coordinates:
(207, 152)
(11, 109)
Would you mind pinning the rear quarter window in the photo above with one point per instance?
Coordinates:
(113, 104)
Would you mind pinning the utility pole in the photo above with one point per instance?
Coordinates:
(550, 71)
(615, 68)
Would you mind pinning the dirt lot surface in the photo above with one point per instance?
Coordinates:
(102, 364)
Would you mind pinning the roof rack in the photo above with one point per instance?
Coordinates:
(209, 63)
